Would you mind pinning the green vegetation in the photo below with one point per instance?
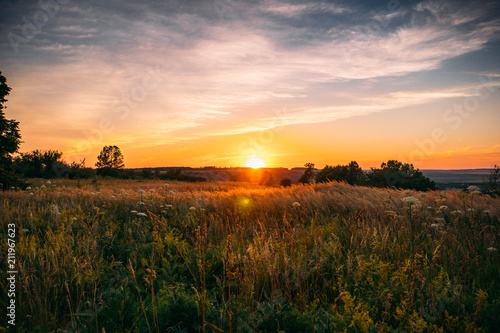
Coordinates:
(144, 256)
(10, 139)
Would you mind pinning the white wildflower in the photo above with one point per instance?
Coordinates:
(28, 188)
(422, 194)
(192, 208)
(408, 192)
(456, 212)
(141, 191)
(166, 185)
(133, 211)
(141, 203)
(443, 207)
(430, 208)
(152, 190)
(141, 214)
(472, 188)
(169, 206)
(43, 186)
(49, 182)
(492, 249)
(171, 192)
(411, 200)
(296, 204)
(476, 192)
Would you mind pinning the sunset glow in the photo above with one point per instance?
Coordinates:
(255, 163)
(204, 83)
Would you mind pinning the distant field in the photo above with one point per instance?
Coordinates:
(458, 178)
(146, 256)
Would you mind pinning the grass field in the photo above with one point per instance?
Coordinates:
(131, 256)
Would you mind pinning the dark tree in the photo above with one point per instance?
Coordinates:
(286, 182)
(110, 157)
(308, 174)
(46, 164)
(350, 173)
(10, 139)
(399, 175)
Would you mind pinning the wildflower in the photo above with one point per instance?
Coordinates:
(112, 197)
(133, 211)
(434, 225)
(202, 210)
(49, 182)
(408, 192)
(152, 190)
(192, 208)
(31, 193)
(161, 206)
(492, 249)
(169, 206)
(140, 203)
(166, 185)
(422, 194)
(122, 190)
(443, 207)
(164, 212)
(28, 188)
(141, 214)
(26, 230)
(411, 200)
(476, 192)
(171, 192)
(74, 219)
(296, 204)
(487, 212)
(125, 193)
(42, 187)
(456, 212)
(430, 208)
(470, 209)
(472, 188)
(141, 191)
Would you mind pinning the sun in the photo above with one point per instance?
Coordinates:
(255, 163)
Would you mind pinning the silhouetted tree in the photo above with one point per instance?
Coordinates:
(350, 173)
(10, 139)
(110, 157)
(286, 182)
(399, 175)
(308, 174)
(47, 164)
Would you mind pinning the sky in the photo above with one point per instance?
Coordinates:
(218, 82)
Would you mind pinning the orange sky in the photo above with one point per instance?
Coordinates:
(288, 83)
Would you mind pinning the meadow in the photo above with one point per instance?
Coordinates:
(146, 256)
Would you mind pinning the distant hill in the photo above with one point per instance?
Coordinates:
(461, 178)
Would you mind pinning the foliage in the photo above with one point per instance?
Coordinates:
(10, 140)
(351, 173)
(186, 257)
(286, 182)
(110, 157)
(399, 175)
(308, 174)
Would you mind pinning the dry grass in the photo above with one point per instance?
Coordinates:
(250, 258)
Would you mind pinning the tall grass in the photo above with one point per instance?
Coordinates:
(235, 257)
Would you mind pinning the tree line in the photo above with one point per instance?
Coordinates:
(391, 174)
